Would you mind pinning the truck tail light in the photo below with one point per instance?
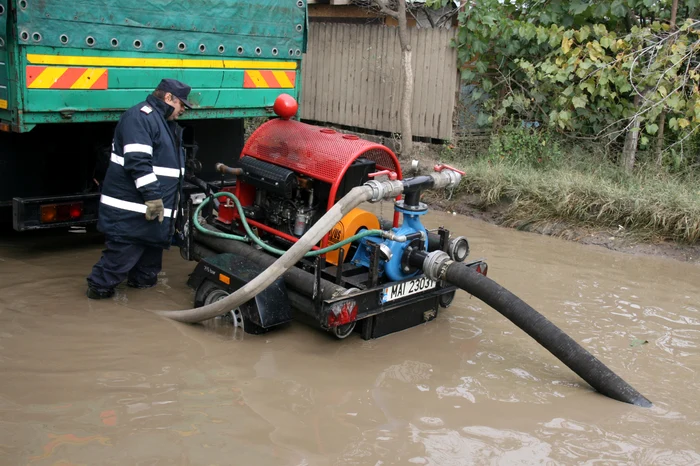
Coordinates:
(48, 213)
(61, 212)
(342, 313)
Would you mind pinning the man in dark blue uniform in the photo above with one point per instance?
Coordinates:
(141, 191)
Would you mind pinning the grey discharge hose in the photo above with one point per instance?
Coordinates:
(370, 191)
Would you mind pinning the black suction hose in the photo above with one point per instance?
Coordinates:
(578, 359)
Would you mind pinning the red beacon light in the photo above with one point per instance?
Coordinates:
(285, 106)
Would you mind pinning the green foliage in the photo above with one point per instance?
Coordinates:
(519, 145)
(578, 66)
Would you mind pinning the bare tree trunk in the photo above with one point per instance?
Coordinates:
(662, 117)
(407, 100)
(674, 12)
(629, 153)
(406, 55)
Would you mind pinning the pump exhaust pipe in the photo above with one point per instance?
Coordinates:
(438, 266)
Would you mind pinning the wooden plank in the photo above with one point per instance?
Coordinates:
(387, 77)
(346, 80)
(362, 82)
(453, 80)
(441, 92)
(423, 71)
(311, 69)
(369, 63)
(423, 74)
(330, 60)
(429, 71)
(336, 47)
(449, 98)
(375, 77)
(396, 81)
(307, 82)
(324, 72)
(378, 73)
(316, 68)
(341, 72)
(439, 122)
(437, 69)
(416, 93)
(379, 92)
(400, 85)
(353, 68)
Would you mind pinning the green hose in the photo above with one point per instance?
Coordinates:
(260, 242)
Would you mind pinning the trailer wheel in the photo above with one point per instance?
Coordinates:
(209, 292)
(343, 331)
(446, 299)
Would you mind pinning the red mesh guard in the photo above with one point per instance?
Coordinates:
(320, 153)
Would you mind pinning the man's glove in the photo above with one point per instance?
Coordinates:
(155, 209)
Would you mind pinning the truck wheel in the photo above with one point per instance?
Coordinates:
(343, 331)
(208, 293)
(446, 299)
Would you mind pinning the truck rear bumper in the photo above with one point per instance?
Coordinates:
(33, 213)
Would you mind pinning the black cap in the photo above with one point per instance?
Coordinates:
(176, 88)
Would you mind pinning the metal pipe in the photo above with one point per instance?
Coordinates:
(226, 170)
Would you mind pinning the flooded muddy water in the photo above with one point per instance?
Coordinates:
(110, 383)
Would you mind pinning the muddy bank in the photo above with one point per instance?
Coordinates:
(616, 239)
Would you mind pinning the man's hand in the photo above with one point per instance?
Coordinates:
(155, 209)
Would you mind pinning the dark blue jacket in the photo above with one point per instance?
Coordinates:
(147, 163)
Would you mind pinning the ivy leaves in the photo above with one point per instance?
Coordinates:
(579, 65)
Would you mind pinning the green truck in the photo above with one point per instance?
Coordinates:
(69, 69)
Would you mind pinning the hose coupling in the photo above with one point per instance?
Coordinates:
(458, 248)
(384, 189)
(446, 178)
(435, 264)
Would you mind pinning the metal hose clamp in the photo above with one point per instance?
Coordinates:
(435, 264)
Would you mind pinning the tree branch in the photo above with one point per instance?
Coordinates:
(384, 8)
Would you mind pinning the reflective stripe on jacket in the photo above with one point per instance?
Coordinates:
(147, 163)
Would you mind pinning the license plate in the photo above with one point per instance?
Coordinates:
(401, 290)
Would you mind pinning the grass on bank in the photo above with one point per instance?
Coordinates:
(544, 181)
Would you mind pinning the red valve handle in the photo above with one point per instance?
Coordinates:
(442, 166)
(392, 175)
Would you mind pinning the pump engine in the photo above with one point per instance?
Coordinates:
(292, 173)
(289, 175)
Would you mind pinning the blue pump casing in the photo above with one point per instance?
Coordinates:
(392, 267)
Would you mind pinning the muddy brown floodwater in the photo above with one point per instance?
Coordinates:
(109, 383)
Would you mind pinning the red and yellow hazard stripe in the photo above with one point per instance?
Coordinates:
(59, 77)
(142, 62)
(269, 79)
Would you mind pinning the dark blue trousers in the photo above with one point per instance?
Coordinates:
(137, 263)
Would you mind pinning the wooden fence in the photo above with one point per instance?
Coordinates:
(352, 76)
